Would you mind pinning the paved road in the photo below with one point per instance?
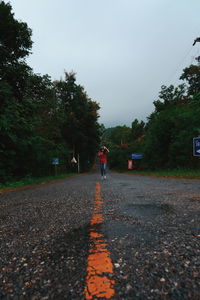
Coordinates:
(127, 237)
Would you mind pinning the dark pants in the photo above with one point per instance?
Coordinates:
(103, 169)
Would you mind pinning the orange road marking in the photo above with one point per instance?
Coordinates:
(99, 264)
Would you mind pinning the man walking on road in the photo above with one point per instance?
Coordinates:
(103, 161)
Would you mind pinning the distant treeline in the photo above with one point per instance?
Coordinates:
(166, 139)
(39, 119)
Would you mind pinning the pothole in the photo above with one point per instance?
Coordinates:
(148, 210)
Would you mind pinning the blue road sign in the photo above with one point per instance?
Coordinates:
(55, 161)
(136, 156)
(196, 146)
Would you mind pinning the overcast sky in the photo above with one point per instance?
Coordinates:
(121, 50)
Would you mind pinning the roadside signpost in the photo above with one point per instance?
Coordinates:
(136, 155)
(74, 161)
(55, 162)
(196, 146)
(131, 164)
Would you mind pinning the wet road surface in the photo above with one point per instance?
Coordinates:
(126, 237)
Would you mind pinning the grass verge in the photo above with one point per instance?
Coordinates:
(31, 180)
(178, 173)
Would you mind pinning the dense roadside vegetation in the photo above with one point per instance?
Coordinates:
(40, 119)
(166, 140)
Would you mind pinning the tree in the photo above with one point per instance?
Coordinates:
(169, 96)
(192, 77)
(40, 119)
(15, 36)
(157, 140)
(120, 135)
(15, 45)
(80, 128)
(173, 124)
(137, 129)
(168, 142)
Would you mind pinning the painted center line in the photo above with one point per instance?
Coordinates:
(99, 264)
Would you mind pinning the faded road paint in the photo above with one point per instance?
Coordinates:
(99, 268)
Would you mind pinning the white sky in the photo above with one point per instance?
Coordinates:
(121, 50)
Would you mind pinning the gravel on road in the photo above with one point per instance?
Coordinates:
(154, 232)
(44, 240)
(151, 226)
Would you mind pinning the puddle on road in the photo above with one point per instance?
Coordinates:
(148, 210)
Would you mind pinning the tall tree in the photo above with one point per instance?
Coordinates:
(169, 96)
(80, 128)
(137, 129)
(173, 124)
(39, 119)
(120, 135)
(192, 77)
(15, 45)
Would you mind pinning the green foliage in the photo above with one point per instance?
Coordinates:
(137, 129)
(166, 139)
(120, 135)
(15, 36)
(118, 157)
(39, 119)
(169, 96)
(80, 128)
(122, 142)
(173, 124)
(192, 77)
(15, 45)
(31, 180)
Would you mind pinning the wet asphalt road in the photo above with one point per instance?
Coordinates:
(151, 226)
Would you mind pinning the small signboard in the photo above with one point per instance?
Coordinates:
(55, 161)
(130, 164)
(74, 160)
(136, 155)
(196, 146)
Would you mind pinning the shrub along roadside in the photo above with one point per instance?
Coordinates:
(31, 180)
